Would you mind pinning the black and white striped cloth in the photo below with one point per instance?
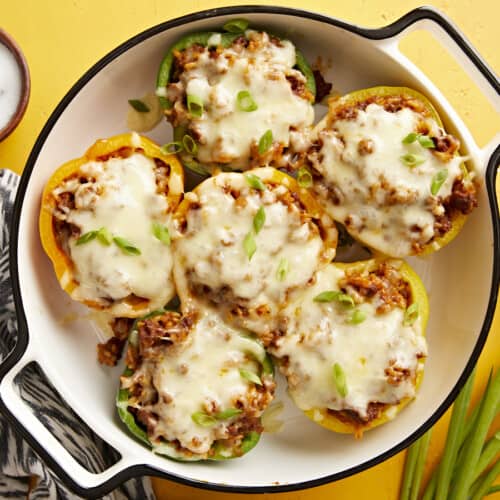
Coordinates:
(18, 462)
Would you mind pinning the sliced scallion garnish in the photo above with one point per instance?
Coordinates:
(245, 101)
(438, 181)
(255, 182)
(86, 237)
(125, 246)
(283, 269)
(249, 245)
(161, 233)
(195, 105)
(229, 413)
(340, 380)
(265, 141)
(304, 178)
(411, 314)
(250, 376)
(259, 220)
(202, 419)
(104, 236)
(357, 317)
(425, 141)
(331, 295)
(411, 137)
(189, 144)
(139, 106)
(172, 147)
(236, 26)
(411, 160)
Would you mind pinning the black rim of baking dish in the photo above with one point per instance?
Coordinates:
(23, 336)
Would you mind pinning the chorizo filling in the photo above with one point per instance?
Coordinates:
(352, 344)
(387, 171)
(239, 104)
(196, 383)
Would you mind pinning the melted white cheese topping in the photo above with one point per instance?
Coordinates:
(123, 199)
(385, 203)
(319, 335)
(212, 250)
(200, 374)
(226, 132)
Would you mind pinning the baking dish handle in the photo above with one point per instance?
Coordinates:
(43, 441)
(450, 36)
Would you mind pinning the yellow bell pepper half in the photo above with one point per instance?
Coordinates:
(100, 151)
(330, 421)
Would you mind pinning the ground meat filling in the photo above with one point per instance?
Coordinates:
(157, 343)
(350, 417)
(110, 352)
(384, 282)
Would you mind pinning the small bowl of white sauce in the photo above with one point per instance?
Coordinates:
(14, 84)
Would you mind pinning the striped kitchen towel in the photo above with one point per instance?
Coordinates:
(18, 462)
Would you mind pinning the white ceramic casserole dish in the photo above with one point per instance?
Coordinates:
(462, 279)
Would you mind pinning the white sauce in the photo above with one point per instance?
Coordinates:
(10, 85)
(364, 181)
(202, 372)
(123, 200)
(226, 132)
(320, 335)
(213, 249)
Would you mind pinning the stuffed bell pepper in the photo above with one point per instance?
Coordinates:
(194, 388)
(244, 241)
(352, 346)
(386, 169)
(104, 223)
(237, 99)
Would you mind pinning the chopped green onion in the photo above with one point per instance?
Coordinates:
(189, 144)
(438, 181)
(172, 147)
(86, 237)
(259, 220)
(139, 106)
(161, 233)
(465, 471)
(265, 142)
(255, 182)
(304, 178)
(339, 378)
(425, 141)
(332, 295)
(411, 137)
(229, 413)
(283, 269)
(195, 105)
(245, 101)
(202, 419)
(357, 317)
(125, 246)
(236, 26)
(250, 376)
(411, 160)
(249, 245)
(104, 236)
(411, 314)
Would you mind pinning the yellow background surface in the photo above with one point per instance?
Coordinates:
(63, 38)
